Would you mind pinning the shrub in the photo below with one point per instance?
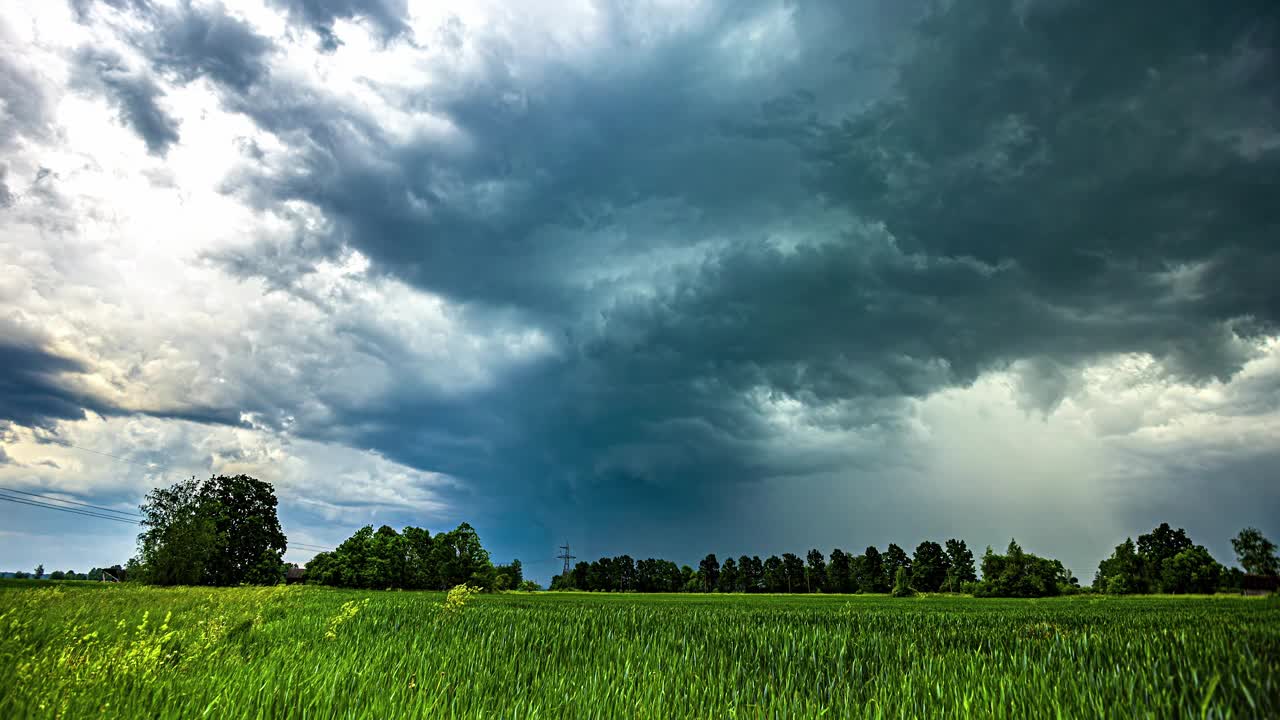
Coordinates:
(1119, 585)
(901, 584)
(458, 598)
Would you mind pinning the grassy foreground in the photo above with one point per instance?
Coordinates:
(86, 650)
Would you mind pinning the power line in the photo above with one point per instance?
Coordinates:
(73, 502)
(148, 466)
(87, 513)
(74, 511)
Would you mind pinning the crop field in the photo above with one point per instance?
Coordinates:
(81, 650)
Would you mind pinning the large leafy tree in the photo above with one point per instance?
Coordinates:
(250, 544)
(1018, 573)
(1121, 573)
(1191, 571)
(929, 567)
(220, 531)
(459, 558)
(384, 558)
(1256, 554)
(1156, 548)
(179, 540)
(387, 559)
(1145, 566)
(657, 576)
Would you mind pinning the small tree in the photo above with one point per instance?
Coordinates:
(793, 572)
(775, 575)
(894, 558)
(902, 583)
(39, 572)
(839, 572)
(709, 571)
(728, 581)
(871, 572)
(962, 569)
(815, 576)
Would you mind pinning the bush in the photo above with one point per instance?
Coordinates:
(1119, 585)
(901, 584)
(458, 598)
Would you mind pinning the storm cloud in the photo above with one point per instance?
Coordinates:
(133, 92)
(637, 269)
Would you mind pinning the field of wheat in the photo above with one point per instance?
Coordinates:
(89, 650)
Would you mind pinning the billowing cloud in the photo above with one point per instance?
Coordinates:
(134, 94)
(386, 17)
(634, 270)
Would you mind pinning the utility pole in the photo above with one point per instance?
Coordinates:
(566, 557)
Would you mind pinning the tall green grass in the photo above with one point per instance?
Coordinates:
(75, 651)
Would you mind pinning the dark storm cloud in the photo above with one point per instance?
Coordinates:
(1033, 184)
(887, 209)
(83, 9)
(629, 158)
(182, 43)
(134, 94)
(30, 389)
(193, 41)
(188, 41)
(386, 16)
(1098, 169)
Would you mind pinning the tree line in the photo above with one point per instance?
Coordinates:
(225, 531)
(1162, 561)
(97, 573)
(933, 567)
(414, 560)
(1167, 561)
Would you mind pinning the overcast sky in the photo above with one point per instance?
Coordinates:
(646, 276)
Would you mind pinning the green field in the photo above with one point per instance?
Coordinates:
(85, 650)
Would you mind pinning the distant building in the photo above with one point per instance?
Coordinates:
(295, 575)
(1260, 584)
